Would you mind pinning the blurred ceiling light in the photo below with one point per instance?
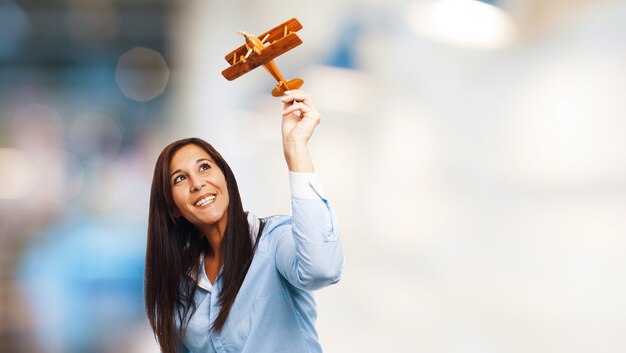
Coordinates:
(142, 74)
(15, 178)
(466, 23)
(22, 174)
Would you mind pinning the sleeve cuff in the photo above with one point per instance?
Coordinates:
(306, 186)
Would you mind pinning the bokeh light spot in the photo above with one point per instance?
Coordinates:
(142, 74)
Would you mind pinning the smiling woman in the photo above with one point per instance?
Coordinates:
(199, 190)
(219, 279)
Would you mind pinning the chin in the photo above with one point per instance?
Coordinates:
(212, 219)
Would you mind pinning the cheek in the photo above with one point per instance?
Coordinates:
(178, 199)
(226, 202)
(226, 193)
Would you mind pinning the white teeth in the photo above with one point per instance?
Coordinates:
(205, 200)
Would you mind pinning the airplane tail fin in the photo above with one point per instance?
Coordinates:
(281, 87)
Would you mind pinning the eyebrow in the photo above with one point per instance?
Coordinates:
(198, 161)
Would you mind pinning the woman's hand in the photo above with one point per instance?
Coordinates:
(300, 117)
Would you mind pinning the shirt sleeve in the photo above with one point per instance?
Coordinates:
(309, 253)
(306, 186)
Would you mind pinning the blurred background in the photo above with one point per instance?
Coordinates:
(475, 152)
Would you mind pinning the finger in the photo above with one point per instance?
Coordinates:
(287, 92)
(298, 106)
(298, 96)
(299, 111)
(295, 97)
(290, 106)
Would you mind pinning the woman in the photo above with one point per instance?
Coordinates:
(219, 279)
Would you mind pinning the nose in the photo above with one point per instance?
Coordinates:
(197, 184)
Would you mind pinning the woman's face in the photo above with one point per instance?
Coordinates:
(199, 188)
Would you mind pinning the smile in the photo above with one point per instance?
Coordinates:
(205, 200)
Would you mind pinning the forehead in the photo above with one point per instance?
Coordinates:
(188, 155)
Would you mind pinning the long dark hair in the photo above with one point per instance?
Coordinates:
(175, 247)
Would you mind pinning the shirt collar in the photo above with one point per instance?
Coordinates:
(203, 280)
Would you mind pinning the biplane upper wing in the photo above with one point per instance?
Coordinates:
(276, 33)
(268, 53)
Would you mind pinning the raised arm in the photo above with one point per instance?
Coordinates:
(309, 253)
(300, 117)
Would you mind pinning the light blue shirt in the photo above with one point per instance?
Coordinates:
(274, 310)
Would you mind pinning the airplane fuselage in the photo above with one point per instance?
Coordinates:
(257, 46)
(277, 45)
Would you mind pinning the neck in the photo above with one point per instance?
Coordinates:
(214, 233)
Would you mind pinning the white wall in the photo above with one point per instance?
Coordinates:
(481, 194)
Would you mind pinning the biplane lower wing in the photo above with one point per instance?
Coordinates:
(276, 33)
(268, 53)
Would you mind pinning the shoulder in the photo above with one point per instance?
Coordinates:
(270, 224)
(274, 223)
(274, 228)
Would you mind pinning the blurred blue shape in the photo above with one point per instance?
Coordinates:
(84, 283)
(343, 54)
(93, 80)
(14, 25)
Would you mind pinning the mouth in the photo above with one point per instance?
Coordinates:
(205, 200)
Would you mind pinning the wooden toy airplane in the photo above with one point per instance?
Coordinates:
(256, 52)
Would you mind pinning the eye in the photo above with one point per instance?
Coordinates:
(204, 166)
(177, 179)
